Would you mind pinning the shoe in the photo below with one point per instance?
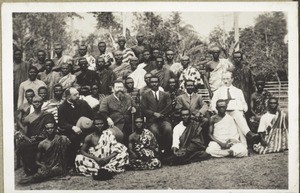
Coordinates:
(253, 137)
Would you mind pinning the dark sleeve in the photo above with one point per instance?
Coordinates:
(144, 105)
(104, 107)
(89, 110)
(62, 121)
(168, 104)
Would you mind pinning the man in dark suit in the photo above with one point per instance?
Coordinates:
(156, 106)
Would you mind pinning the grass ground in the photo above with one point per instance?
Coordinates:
(253, 172)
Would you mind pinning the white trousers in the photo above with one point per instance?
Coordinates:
(239, 150)
(241, 124)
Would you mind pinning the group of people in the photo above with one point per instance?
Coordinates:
(137, 109)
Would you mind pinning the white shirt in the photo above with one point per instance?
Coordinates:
(237, 103)
(177, 132)
(156, 93)
(265, 121)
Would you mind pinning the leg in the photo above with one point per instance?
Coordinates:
(85, 165)
(239, 150)
(214, 149)
(166, 132)
(154, 129)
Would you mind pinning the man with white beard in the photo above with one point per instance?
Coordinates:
(117, 108)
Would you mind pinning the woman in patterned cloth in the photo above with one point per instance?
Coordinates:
(101, 155)
(143, 148)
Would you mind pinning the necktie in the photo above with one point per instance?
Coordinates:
(228, 94)
(190, 97)
(156, 98)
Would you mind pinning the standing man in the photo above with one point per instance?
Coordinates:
(127, 53)
(32, 83)
(69, 113)
(40, 63)
(117, 108)
(108, 56)
(119, 67)
(59, 59)
(106, 77)
(140, 47)
(156, 106)
(175, 67)
(163, 73)
(89, 58)
(67, 79)
(236, 107)
(49, 77)
(86, 77)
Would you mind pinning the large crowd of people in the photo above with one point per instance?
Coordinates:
(137, 109)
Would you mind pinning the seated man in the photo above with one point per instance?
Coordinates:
(273, 129)
(51, 156)
(188, 142)
(101, 155)
(224, 135)
(143, 148)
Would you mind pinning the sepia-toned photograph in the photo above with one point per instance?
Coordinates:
(151, 96)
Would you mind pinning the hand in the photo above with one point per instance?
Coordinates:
(101, 161)
(133, 110)
(77, 130)
(179, 153)
(110, 122)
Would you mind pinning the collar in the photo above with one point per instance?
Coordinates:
(116, 97)
(70, 103)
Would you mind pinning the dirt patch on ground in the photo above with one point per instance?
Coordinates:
(253, 172)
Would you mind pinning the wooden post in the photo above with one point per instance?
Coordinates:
(236, 31)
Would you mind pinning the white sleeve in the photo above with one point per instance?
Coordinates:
(245, 106)
(214, 100)
(175, 142)
(262, 124)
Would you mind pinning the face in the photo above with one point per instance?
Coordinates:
(37, 102)
(58, 92)
(190, 87)
(185, 63)
(65, 69)
(146, 56)
(18, 55)
(49, 127)
(84, 91)
(154, 83)
(140, 38)
(237, 57)
(100, 63)
(170, 55)
(95, 90)
(43, 94)
(82, 50)
(99, 124)
(74, 95)
(227, 79)
(119, 56)
(102, 47)
(32, 74)
(134, 63)
(147, 78)
(215, 54)
(260, 85)
(41, 56)
(122, 43)
(185, 115)
(48, 66)
(159, 63)
(83, 64)
(139, 123)
(58, 49)
(29, 96)
(129, 83)
(118, 88)
(155, 53)
(221, 107)
(272, 104)
(172, 83)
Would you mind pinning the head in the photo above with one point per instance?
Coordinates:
(82, 50)
(215, 52)
(118, 89)
(43, 93)
(159, 62)
(29, 94)
(156, 53)
(237, 57)
(134, 62)
(147, 78)
(260, 85)
(227, 78)
(32, 73)
(84, 90)
(169, 55)
(172, 84)
(37, 103)
(221, 106)
(66, 68)
(118, 56)
(102, 47)
(185, 61)
(41, 56)
(139, 123)
(154, 83)
(100, 63)
(122, 41)
(50, 125)
(272, 104)
(146, 55)
(83, 64)
(140, 38)
(58, 49)
(72, 94)
(100, 123)
(185, 115)
(189, 86)
(49, 64)
(129, 84)
(94, 90)
(18, 55)
(58, 91)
